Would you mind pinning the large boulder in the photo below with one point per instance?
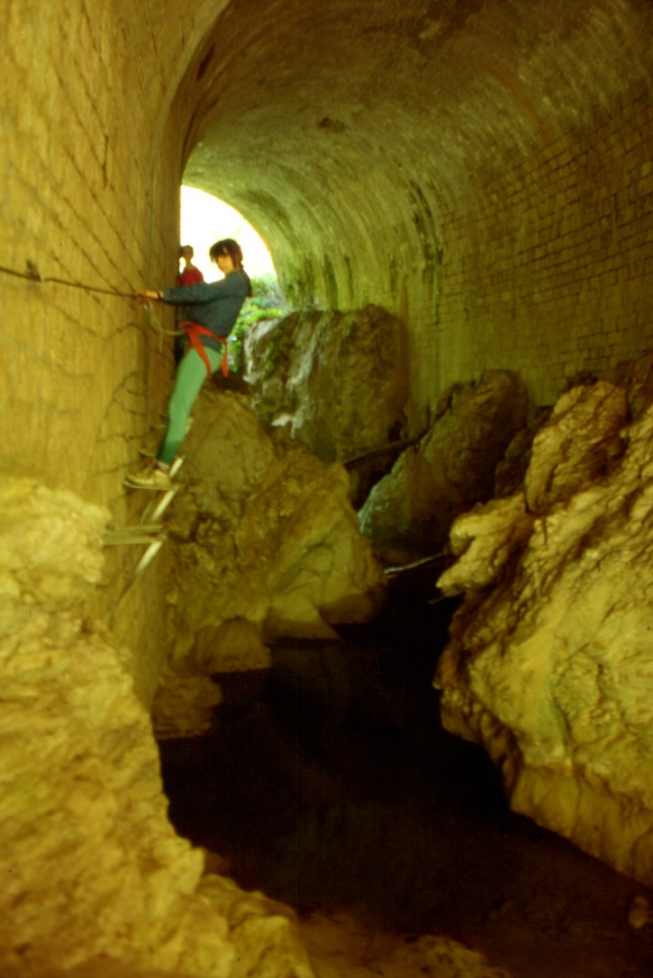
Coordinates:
(338, 381)
(409, 512)
(550, 660)
(636, 376)
(93, 874)
(263, 532)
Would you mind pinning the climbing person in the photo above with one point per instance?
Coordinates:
(214, 307)
(188, 275)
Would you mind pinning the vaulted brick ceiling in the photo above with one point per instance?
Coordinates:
(357, 136)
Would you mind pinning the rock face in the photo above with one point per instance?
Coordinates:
(265, 534)
(91, 869)
(337, 381)
(340, 946)
(184, 704)
(409, 512)
(550, 662)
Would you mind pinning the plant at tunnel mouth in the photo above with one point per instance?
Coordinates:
(266, 303)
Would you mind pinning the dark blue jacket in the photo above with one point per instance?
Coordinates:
(212, 304)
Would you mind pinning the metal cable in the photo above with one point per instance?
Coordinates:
(32, 274)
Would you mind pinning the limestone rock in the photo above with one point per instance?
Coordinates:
(337, 381)
(92, 871)
(264, 533)
(511, 471)
(234, 646)
(484, 540)
(187, 695)
(640, 913)
(409, 512)
(98, 968)
(577, 445)
(183, 704)
(551, 666)
(339, 946)
(636, 376)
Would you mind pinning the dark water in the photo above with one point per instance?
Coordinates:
(328, 783)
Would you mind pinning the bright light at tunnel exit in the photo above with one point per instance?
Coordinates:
(204, 219)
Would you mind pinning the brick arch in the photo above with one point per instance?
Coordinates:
(483, 168)
(90, 158)
(478, 165)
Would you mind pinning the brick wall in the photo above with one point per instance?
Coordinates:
(90, 162)
(550, 271)
(541, 263)
(480, 169)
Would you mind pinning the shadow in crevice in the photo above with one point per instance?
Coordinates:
(328, 782)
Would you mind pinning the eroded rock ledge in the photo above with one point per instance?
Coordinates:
(550, 660)
(264, 532)
(409, 512)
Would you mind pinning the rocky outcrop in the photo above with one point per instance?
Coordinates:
(341, 946)
(91, 869)
(511, 470)
(409, 512)
(184, 704)
(187, 695)
(550, 660)
(336, 381)
(636, 376)
(263, 533)
(233, 646)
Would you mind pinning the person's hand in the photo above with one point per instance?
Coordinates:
(148, 295)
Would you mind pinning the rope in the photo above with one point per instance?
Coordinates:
(393, 446)
(33, 275)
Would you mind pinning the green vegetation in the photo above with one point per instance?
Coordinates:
(266, 303)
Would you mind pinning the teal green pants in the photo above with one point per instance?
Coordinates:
(191, 374)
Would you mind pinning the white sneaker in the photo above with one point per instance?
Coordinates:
(152, 478)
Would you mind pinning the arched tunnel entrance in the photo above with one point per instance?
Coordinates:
(462, 164)
(464, 188)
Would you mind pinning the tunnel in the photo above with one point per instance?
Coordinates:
(476, 176)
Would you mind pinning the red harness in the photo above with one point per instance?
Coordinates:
(193, 332)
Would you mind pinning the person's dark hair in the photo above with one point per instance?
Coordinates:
(185, 248)
(227, 246)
